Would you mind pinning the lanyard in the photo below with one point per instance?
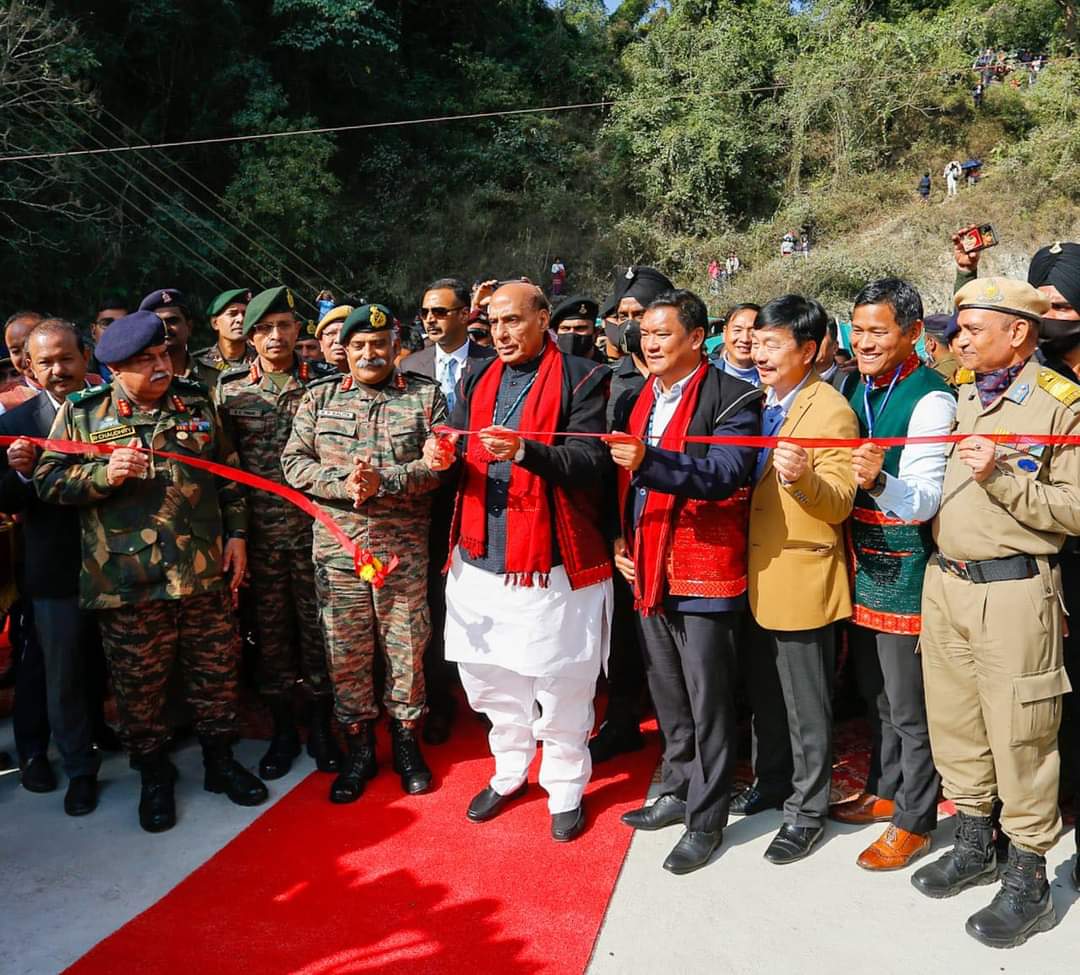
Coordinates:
(513, 406)
(866, 399)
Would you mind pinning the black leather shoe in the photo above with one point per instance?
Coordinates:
(38, 776)
(750, 802)
(157, 804)
(488, 803)
(284, 741)
(692, 851)
(359, 765)
(970, 863)
(438, 722)
(1076, 871)
(81, 795)
(567, 826)
(321, 744)
(615, 738)
(666, 811)
(225, 774)
(1022, 906)
(793, 843)
(106, 739)
(408, 762)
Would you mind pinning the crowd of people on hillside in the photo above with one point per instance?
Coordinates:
(510, 511)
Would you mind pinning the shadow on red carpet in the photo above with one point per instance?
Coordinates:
(393, 883)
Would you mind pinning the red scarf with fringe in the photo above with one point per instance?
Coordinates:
(650, 541)
(530, 520)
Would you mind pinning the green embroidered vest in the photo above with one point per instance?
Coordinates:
(890, 555)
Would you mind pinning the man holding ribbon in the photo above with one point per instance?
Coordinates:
(684, 509)
(529, 588)
(992, 610)
(163, 543)
(356, 446)
(899, 494)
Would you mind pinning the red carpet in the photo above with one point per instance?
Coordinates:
(393, 883)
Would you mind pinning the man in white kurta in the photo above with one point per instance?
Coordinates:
(529, 586)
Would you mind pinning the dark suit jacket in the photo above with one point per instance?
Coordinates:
(51, 532)
(423, 362)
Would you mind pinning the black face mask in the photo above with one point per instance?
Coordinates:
(1056, 337)
(631, 338)
(573, 344)
(613, 334)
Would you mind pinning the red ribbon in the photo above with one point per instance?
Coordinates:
(768, 443)
(365, 563)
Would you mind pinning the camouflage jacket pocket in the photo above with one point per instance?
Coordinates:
(134, 561)
(407, 445)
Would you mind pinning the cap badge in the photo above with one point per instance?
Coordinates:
(377, 317)
(630, 273)
(289, 298)
(165, 297)
(583, 309)
(247, 297)
(1056, 247)
(993, 293)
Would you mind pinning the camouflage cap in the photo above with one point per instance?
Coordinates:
(238, 296)
(269, 302)
(368, 318)
(1006, 295)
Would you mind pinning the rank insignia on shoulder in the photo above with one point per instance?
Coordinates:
(963, 377)
(108, 434)
(346, 384)
(1062, 389)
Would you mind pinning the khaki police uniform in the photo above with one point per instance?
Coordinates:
(992, 605)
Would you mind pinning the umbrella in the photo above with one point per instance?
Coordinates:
(971, 164)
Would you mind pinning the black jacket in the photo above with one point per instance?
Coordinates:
(51, 532)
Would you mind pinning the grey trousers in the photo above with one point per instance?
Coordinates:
(691, 665)
(806, 663)
(890, 679)
(59, 624)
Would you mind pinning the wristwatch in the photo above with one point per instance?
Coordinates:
(878, 486)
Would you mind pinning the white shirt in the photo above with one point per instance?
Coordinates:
(666, 404)
(915, 493)
(460, 355)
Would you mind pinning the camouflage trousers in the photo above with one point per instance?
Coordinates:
(287, 622)
(357, 619)
(142, 644)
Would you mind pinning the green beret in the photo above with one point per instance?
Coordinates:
(367, 318)
(239, 296)
(265, 303)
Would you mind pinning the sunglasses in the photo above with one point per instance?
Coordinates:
(439, 312)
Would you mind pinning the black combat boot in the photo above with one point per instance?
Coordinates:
(971, 862)
(225, 774)
(321, 744)
(408, 762)
(1076, 859)
(284, 742)
(1021, 907)
(359, 765)
(157, 805)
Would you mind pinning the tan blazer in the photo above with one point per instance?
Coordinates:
(798, 571)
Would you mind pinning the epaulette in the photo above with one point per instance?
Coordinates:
(332, 377)
(316, 371)
(234, 372)
(190, 385)
(88, 395)
(964, 377)
(1062, 389)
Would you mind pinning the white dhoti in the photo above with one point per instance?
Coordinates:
(529, 658)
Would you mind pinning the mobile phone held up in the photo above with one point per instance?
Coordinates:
(978, 238)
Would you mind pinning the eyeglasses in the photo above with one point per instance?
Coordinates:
(265, 328)
(439, 312)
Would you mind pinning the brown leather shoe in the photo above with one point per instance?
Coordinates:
(864, 808)
(894, 849)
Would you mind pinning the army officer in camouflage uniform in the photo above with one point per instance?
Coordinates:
(356, 446)
(162, 544)
(257, 403)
